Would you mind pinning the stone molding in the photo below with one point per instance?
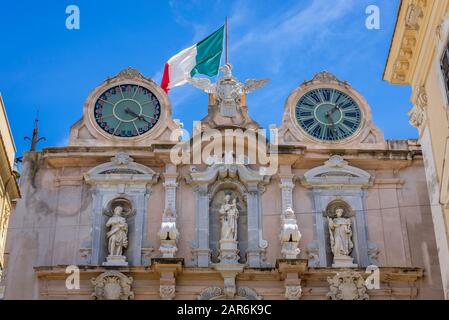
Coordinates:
(336, 172)
(121, 169)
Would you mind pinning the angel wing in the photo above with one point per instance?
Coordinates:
(202, 84)
(252, 85)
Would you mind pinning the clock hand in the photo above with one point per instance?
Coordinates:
(329, 116)
(140, 117)
(335, 108)
(334, 129)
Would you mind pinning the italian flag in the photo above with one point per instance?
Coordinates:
(202, 58)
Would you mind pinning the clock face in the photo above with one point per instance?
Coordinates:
(328, 114)
(127, 110)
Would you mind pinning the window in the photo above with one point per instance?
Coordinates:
(445, 70)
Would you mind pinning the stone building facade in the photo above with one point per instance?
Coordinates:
(331, 213)
(9, 189)
(419, 57)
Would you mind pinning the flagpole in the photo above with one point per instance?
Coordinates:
(226, 39)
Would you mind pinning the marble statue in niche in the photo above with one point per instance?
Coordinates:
(340, 232)
(228, 217)
(215, 225)
(117, 237)
(228, 244)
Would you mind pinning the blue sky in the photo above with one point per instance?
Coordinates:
(47, 67)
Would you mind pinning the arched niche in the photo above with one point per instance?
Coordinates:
(249, 184)
(218, 193)
(129, 213)
(337, 182)
(348, 213)
(120, 181)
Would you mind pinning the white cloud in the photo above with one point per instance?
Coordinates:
(287, 29)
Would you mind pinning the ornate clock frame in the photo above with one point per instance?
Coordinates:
(87, 132)
(291, 131)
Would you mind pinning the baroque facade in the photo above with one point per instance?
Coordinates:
(9, 189)
(419, 57)
(328, 209)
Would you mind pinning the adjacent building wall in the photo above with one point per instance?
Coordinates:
(9, 190)
(420, 38)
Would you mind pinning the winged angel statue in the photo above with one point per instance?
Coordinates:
(228, 89)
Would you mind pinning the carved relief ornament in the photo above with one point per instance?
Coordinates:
(217, 293)
(417, 114)
(112, 285)
(347, 285)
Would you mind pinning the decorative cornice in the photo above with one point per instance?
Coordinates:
(408, 29)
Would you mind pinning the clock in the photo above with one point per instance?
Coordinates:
(328, 114)
(127, 110)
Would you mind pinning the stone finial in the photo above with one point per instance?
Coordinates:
(290, 235)
(130, 73)
(168, 234)
(325, 77)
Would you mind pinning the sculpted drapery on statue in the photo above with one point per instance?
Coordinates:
(340, 234)
(118, 233)
(228, 216)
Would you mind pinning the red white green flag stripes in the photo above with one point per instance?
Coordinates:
(202, 58)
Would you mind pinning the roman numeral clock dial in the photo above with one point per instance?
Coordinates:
(328, 114)
(127, 111)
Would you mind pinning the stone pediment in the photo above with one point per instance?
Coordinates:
(120, 169)
(336, 172)
(245, 174)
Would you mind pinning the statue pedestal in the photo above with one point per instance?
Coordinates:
(229, 272)
(116, 261)
(344, 262)
(229, 252)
